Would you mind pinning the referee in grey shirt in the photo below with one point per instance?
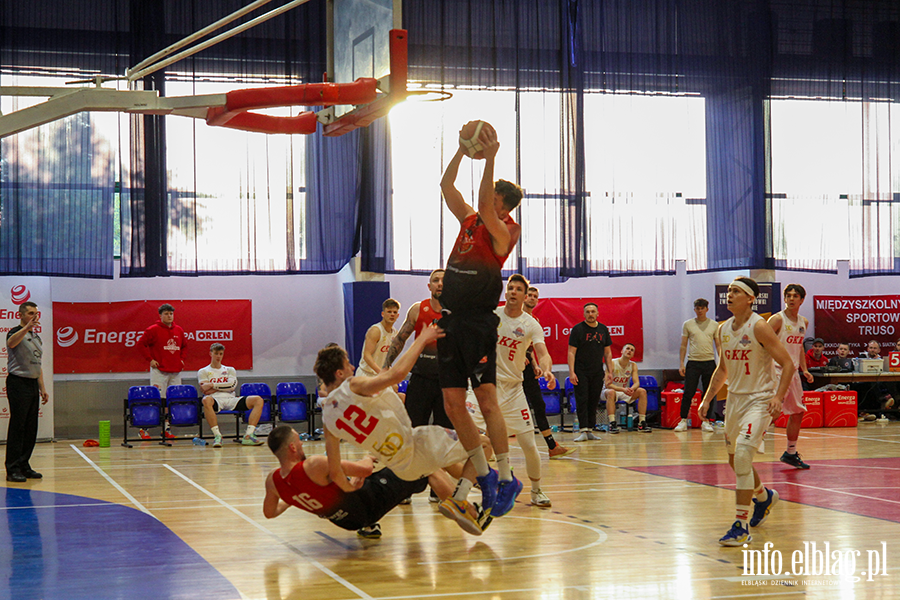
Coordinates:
(25, 392)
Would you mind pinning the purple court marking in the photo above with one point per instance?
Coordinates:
(863, 486)
(63, 547)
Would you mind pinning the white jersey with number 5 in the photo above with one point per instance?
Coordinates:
(751, 369)
(514, 336)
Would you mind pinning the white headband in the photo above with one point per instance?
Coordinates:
(744, 287)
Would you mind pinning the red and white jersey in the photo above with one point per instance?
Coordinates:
(750, 367)
(384, 343)
(514, 336)
(791, 335)
(224, 378)
(621, 375)
(379, 424)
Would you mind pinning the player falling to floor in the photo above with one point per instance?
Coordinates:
(378, 339)
(791, 330)
(623, 386)
(305, 482)
(517, 332)
(748, 351)
(366, 412)
(472, 288)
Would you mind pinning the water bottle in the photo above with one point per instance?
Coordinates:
(199, 441)
(554, 429)
(630, 421)
(575, 425)
(304, 436)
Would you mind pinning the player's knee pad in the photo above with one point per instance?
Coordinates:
(532, 458)
(743, 466)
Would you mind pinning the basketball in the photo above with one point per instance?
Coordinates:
(468, 138)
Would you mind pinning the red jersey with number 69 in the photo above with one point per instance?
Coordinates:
(750, 367)
(297, 489)
(378, 424)
(472, 280)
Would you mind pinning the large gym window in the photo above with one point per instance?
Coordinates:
(236, 199)
(835, 184)
(645, 177)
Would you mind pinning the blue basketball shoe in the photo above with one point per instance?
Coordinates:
(507, 492)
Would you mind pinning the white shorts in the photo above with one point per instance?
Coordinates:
(434, 448)
(513, 407)
(162, 381)
(746, 420)
(793, 399)
(620, 396)
(226, 401)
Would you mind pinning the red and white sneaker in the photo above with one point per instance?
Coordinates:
(144, 435)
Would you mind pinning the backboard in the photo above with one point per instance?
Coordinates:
(363, 41)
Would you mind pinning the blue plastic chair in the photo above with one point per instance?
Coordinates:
(184, 406)
(263, 390)
(143, 409)
(401, 387)
(648, 382)
(291, 402)
(552, 400)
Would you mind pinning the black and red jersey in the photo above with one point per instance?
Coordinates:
(472, 280)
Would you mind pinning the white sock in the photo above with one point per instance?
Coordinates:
(503, 467)
(250, 430)
(463, 487)
(216, 431)
(479, 461)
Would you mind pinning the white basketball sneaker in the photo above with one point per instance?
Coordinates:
(682, 426)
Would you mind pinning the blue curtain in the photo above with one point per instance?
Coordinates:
(56, 201)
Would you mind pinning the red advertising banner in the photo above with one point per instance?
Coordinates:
(102, 337)
(623, 317)
(856, 320)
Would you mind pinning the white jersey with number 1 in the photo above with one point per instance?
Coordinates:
(751, 369)
(514, 336)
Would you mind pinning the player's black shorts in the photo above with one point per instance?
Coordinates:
(468, 351)
(379, 494)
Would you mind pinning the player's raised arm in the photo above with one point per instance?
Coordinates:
(369, 386)
(454, 199)
(406, 330)
(504, 236)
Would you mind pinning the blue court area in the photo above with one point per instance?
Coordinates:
(63, 547)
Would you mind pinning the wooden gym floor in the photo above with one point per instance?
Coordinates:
(634, 516)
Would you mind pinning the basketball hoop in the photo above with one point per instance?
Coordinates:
(371, 98)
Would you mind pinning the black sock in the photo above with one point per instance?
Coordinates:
(551, 443)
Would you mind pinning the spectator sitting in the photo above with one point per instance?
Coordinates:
(815, 356)
(842, 359)
(873, 350)
(218, 382)
(617, 389)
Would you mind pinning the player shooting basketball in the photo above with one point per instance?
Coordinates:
(472, 288)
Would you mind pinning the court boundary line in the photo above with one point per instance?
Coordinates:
(266, 530)
(112, 482)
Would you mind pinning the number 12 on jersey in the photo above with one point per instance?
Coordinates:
(360, 425)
